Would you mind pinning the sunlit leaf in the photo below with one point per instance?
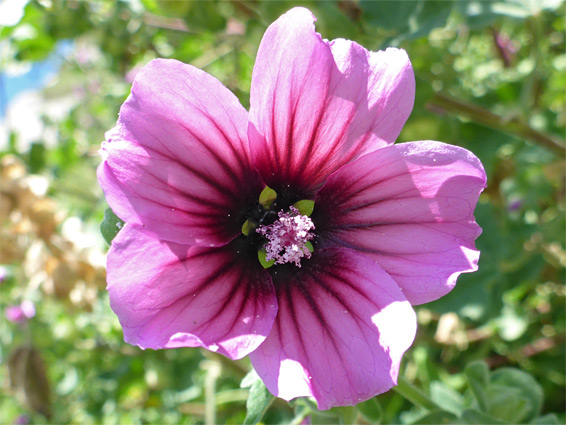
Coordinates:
(259, 399)
(478, 380)
(110, 225)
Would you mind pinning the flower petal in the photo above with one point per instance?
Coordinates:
(168, 295)
(177, 161)
(342, 327)
(410, 208)
(317, 105)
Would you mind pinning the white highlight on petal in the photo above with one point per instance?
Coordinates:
(287, 237)
(293, 380)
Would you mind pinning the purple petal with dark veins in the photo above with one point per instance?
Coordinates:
(168, 295)
(410, 207)
(177, 161)
(317, 105)
(343, 325)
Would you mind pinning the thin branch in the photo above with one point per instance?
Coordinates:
(442, 103)
(156, 21)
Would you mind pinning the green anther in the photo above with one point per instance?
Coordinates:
(246, 227)
(305, 207)
(267, 196)
(261, 255)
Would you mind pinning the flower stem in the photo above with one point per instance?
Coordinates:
(213, 373)
(300, 417)
(414, 395)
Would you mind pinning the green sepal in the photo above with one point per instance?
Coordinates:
(305, 206)
(346, 414)
(110, 225)
(267, 196)
(371, 410)
(261, 255)
(246, 228)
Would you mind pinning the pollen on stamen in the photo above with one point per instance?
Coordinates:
(287, 238)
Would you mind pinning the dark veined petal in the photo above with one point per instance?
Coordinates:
(168, 295)
(177, 161)
(343, 325)
(317, 105)
(410, 208)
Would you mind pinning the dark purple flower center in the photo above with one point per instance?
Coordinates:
(279, 230)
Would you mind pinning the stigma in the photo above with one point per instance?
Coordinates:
(288, 238)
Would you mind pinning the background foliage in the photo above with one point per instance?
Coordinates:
(491, 76)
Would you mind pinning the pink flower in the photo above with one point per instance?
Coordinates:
(22, 420)
(20, 313)
(4, 274)
(392, 225)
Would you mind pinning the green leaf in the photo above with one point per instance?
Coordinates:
(406, 20)
(472, 416)
(392, 15)
(37, 155)
(507, 404)
(481, 13)
(169, 8)
(271, 10)
(476, 13)
(524, 387)
(447, 398)
(249, 379)
(34, 49)
(151, 6)
(204, 16)
(332, 21)
(430, 15)
(550, 419)
(478, 379)
(371, 410)
(259, 399)
(523, 9)
(110, 225)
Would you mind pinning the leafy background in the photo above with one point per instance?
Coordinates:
(491, 76)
